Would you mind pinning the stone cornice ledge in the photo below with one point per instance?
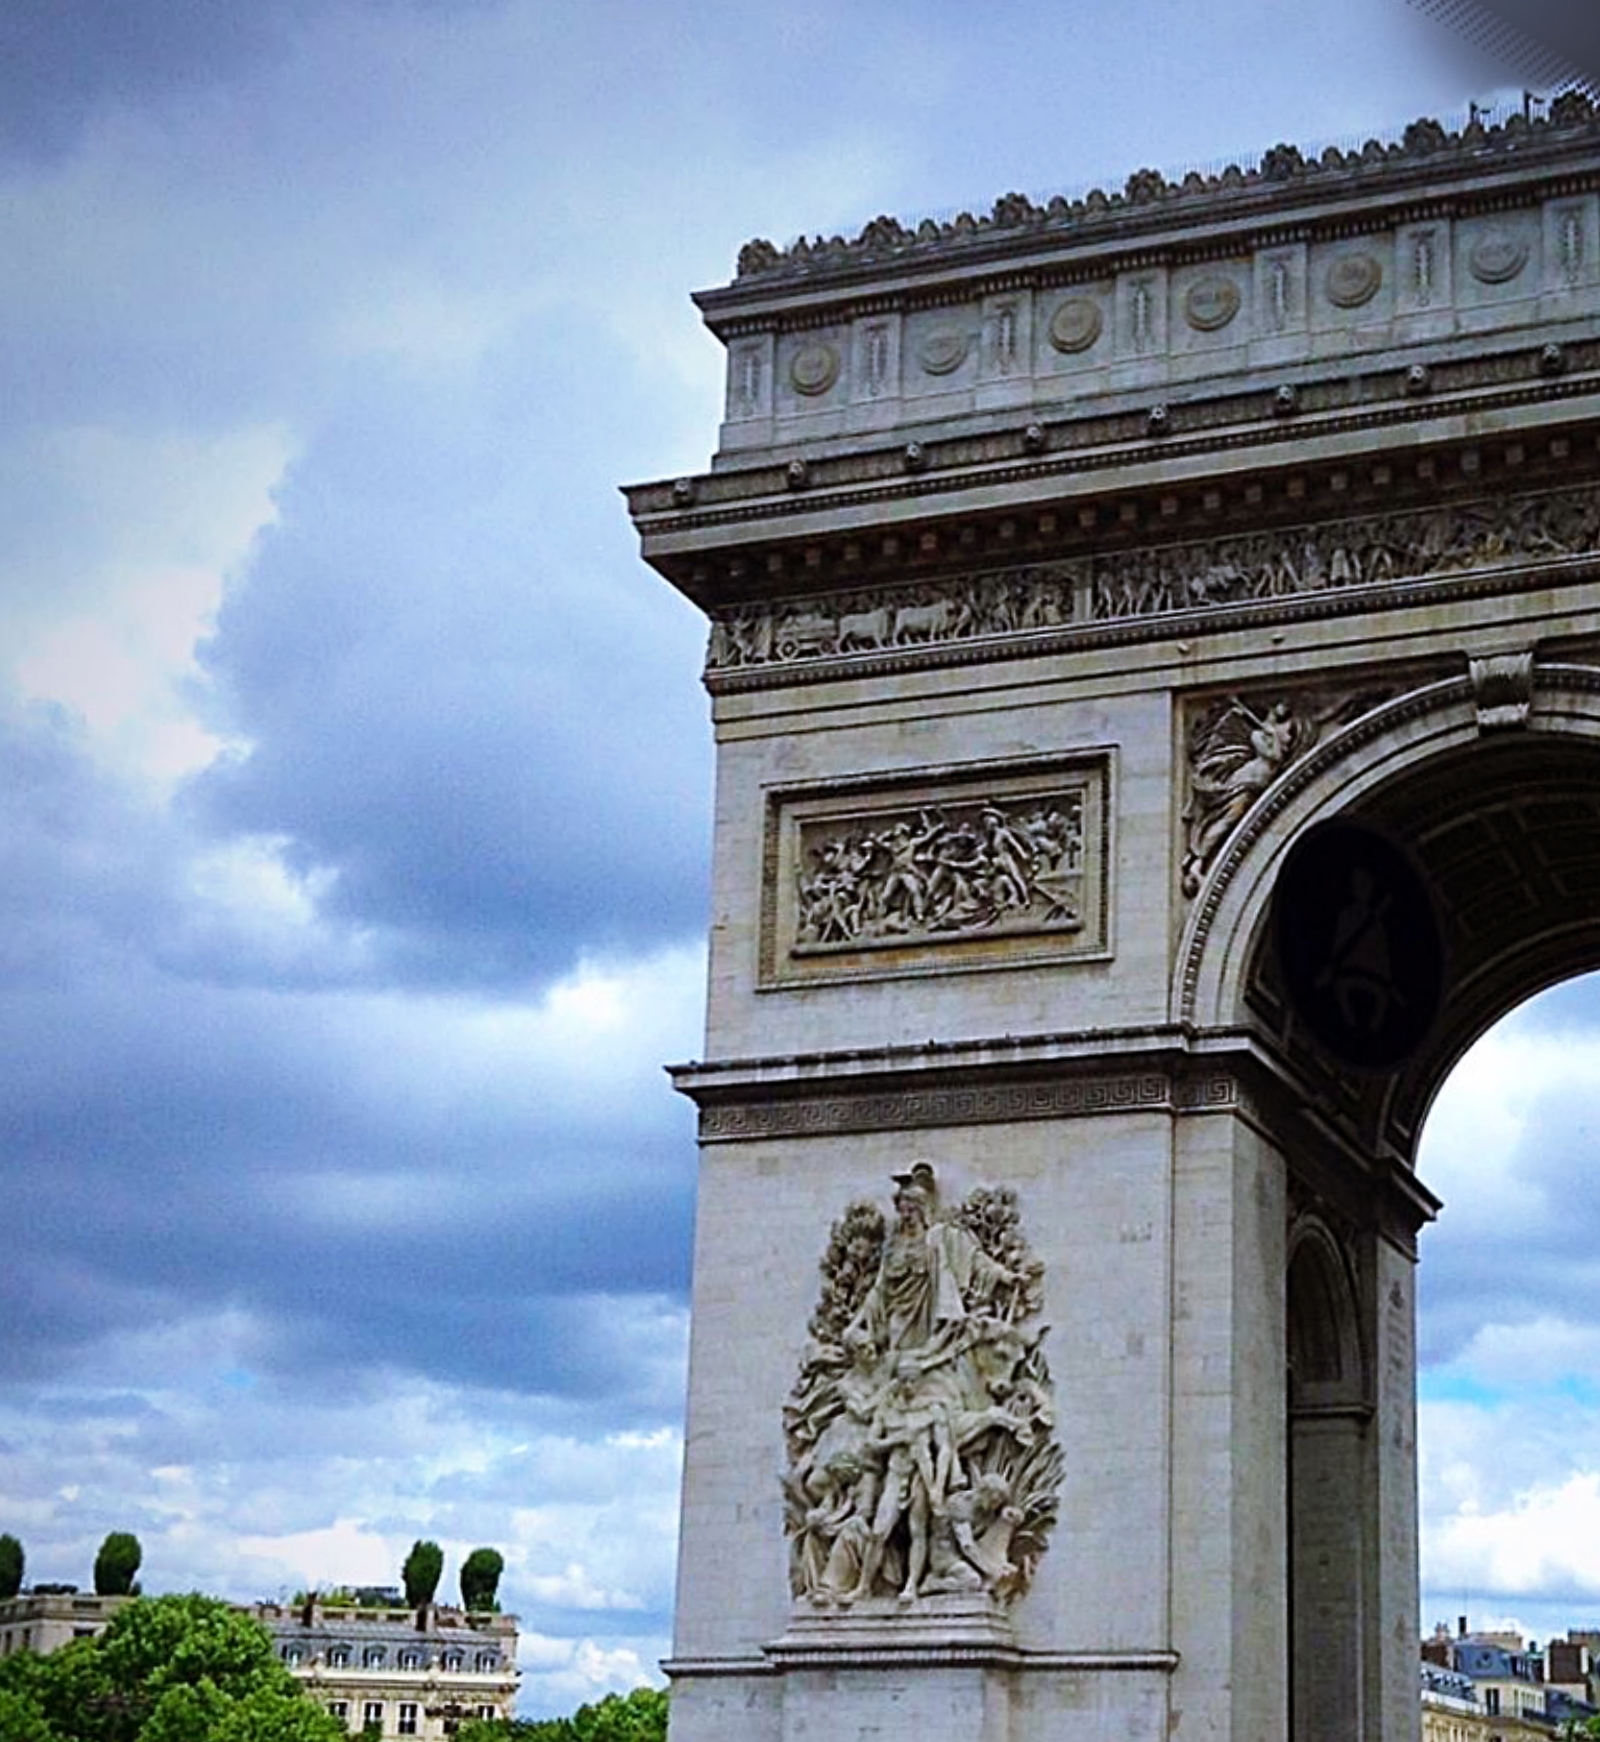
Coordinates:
(778, 1659)
(712, 1078)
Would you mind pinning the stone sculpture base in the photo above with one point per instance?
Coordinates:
(956, 1628)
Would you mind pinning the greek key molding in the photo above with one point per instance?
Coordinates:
(925, 1109)
(905, 1109)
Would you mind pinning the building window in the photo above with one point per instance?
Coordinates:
(372, 1713)
(487, 1660)
(1491, 1702)
(408, 1720)
(340, 1709)
(487, 1712)
(452, 1660)
(373, 1657)
(292, 1655)
(411, 1660)
(339, 1657)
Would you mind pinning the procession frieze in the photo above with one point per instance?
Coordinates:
(1042, 600)
(1407, 545)
(922, 1459)
(981, 868)
(996, 602)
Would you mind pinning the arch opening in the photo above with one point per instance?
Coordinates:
(1509, 1327)
(1503, 832)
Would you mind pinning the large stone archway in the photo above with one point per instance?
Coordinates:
(1077, 576)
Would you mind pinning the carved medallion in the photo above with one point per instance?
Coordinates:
(1497, 257)
(1075, 325)
(814, 368)
(944, 351)
(922, 1461)
(1211, 303)
(1353, 279)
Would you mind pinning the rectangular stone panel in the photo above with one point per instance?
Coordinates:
(936, 872)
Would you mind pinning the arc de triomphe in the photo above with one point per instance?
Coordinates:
(1155, 663)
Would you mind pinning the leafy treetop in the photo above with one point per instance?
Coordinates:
(480, 1578)
(421, 1572)
(12, 1562)
(116, 1564)
(166, 1669)
(637, 1717)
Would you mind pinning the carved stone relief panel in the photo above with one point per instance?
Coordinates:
(922, 1461)
(1407, 545)
(1236, 747)
(936, 872)
(991, 603)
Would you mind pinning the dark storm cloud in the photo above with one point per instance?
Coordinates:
(363, 1179)
(466, 700)
(211, 1164)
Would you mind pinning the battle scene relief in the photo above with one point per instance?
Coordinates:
(920, 1430)
(873, 881)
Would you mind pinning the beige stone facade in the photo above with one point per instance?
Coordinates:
(44, 1621)
(1066, 570)
(413, 1672)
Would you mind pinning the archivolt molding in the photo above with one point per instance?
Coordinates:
(1323, 1320)
(1210, 966)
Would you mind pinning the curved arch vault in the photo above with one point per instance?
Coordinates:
(1155, 663)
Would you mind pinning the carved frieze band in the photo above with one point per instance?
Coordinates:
(1399, 547)
(936, 872)
(1044, 600)
(983, 605)
(1080, 1097)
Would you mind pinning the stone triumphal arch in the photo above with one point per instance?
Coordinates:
(1155, 660)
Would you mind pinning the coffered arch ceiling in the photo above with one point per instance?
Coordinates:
(1504, 830)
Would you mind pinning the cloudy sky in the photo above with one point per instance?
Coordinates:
(355, 775)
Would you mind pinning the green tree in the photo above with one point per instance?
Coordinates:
(480, 1578)
(116, 1564)
(637, 1717)
(422, 1571)
(12, 1562)
(166, 1669)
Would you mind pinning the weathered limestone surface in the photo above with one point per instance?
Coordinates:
(1065, 570)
